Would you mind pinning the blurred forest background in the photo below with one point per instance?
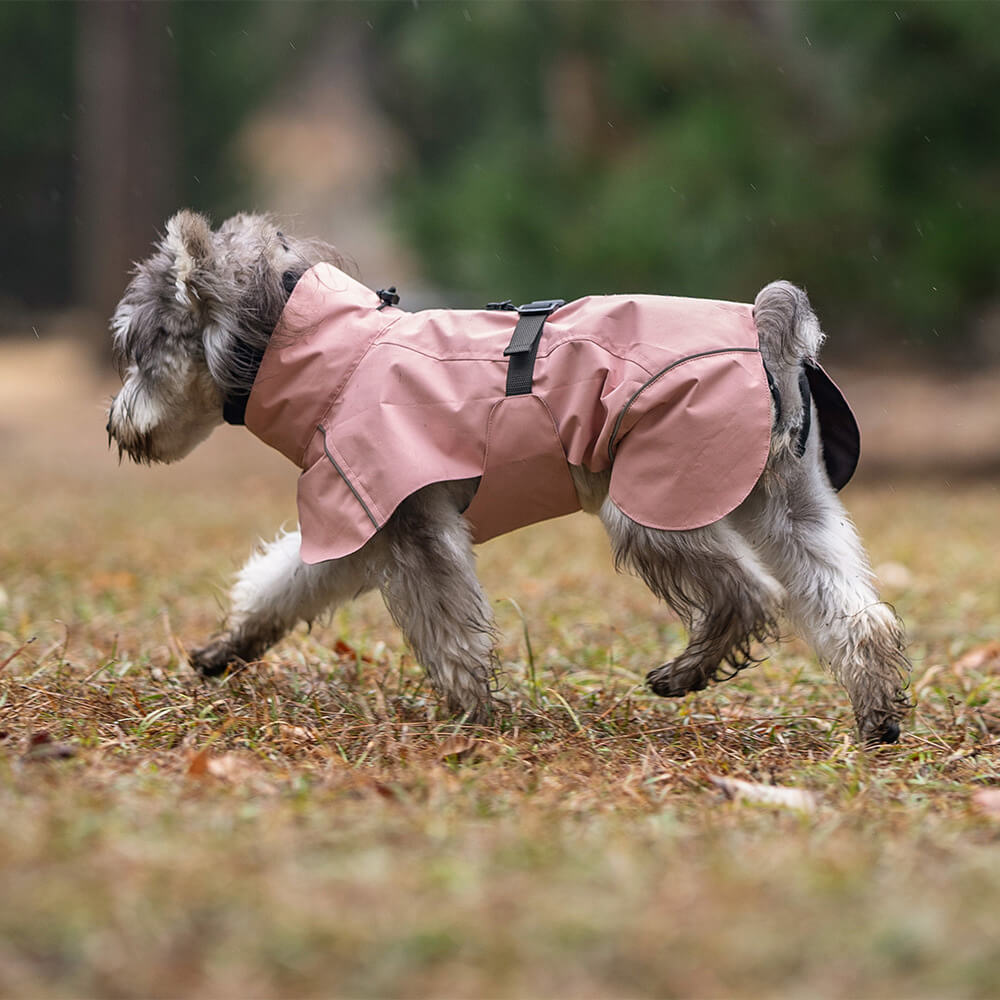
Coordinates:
(475, 151)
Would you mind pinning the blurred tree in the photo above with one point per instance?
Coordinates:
(113, 115)
(705, 149)
(124, 144)
(924, 134)
(561, 148)
(36, 84)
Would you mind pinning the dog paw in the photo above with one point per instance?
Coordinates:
(881, 732)
(216, 658)
(670, 682)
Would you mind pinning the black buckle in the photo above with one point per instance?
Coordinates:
(523, 344)
(388, 296)
(531, 318)
(540, 307)
(505, 306)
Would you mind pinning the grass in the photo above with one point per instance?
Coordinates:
(318, 826)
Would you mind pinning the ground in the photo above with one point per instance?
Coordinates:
(317, 825)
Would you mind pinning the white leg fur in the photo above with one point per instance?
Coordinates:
(422, 561)
(273, 592)
(801, 530)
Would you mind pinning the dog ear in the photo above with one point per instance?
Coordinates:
(191, 249)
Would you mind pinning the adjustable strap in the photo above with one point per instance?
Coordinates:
(523, 346)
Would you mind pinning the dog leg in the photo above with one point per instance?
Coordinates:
(798, 525)
(713, 580)
(273, 592)
(432, 592)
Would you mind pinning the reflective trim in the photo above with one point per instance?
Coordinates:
(350, 485)
(645, 385)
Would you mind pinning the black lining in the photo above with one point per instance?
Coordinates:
(838, 428)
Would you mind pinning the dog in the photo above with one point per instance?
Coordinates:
(745, 533)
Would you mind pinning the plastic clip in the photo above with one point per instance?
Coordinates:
(388, 296)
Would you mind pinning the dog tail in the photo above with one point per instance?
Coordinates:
(790, 338)
(788, 329)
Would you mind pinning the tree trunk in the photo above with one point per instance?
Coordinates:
(125, 147)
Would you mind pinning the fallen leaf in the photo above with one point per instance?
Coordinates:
(344, 649)
(987, 801)
(296, 734)
(456, 746)
(985, 658)
(771, 795)
(384, 790)
(198, 765)
(230, 767)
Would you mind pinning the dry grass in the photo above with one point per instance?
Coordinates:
(316, 826)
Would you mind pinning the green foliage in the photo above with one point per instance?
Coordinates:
(229, 57)
(568, 148)
(222, 60)
(36, 44)
(571, 148)
(929, 137)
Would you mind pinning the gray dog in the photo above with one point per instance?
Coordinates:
(195, 338)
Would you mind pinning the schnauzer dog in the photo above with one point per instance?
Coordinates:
(703, 434)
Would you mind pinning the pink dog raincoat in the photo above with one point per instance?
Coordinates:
(374, 403)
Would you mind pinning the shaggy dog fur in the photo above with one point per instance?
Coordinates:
(205, 301)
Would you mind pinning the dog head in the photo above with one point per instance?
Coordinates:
(192, 316)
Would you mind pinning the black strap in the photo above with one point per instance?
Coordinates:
(523, 346)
